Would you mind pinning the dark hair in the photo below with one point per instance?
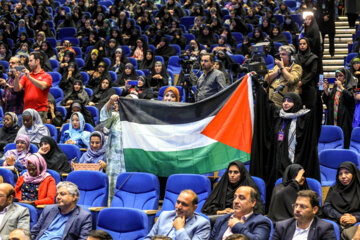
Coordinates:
(237, 237)
(314, 198)
(11, 192)
(212, 58)
(37, 55)
(100, 234)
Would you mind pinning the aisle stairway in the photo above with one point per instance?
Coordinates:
(342, 37)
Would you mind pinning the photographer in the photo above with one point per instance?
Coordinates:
(284, 77)
(211, 80)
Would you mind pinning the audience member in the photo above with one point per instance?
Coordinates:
(13, 215)
(308, 62)
(305, 224)
(76, 134)
(12, 101)
(163, 49)
(96, 153)
(37, 84)
(183, 222)
(341, 201)
(110, 118)
(35, 186)
(326, 21)
(141, 91)
(16, 157)
(221, 199)
(20, 234)
(243, 220)
(149, 61)
(340, 102)
(211, 80)
(77, 93)
(128, 75)
(284, 77)
(65, 219)
(285, 193)
(53, 116)
(159, 76)
(312, 32)
(32, 126)
(99, 235)
(100, 74)
(76, 106)
(9, 131)
(102, 93)
(54, 157)
(171, 94)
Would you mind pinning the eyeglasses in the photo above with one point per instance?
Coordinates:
(301, 206)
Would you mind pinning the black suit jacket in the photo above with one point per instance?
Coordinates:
(319, 230)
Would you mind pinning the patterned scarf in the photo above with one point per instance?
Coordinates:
(336, 106)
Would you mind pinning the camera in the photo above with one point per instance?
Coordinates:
(186, 61)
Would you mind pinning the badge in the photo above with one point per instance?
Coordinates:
(281, 136)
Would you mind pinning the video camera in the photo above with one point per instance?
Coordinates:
(187, 61)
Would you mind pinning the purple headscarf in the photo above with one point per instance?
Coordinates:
(41, 167)
(19, 156)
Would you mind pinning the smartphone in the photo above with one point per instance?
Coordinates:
(133, 82)
(19, 68)
(321, 81)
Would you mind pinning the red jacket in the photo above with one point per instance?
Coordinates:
(46, 193)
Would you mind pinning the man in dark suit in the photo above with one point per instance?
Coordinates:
(65, 220)
(305, 224)
(243, 220)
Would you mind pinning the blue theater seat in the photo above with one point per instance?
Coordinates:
(331, 137)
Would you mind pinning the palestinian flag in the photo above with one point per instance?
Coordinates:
(167, 138)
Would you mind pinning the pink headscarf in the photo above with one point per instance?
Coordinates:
(19, 156)
(41, 167)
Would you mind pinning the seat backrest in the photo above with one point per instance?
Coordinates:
(80, 62)
(71, 151)
(331, 137)
(95, 113)
(137, 190)
(133, 62)
(123, 223)
(93, 187)
(238, 36)
(113, 76)
(57, 93)
(89, 91)
(238, 58)
(336, 228)
(162, 91)
(32, 211)
(55, 175)
(174, 65)
(177, 48)
(271, 227)
(8, 176)
(85, 77)
(330, 160)
(126, 50)
(355, 140)
(10, 146)
(53, 131)
(56, 78)
(62, 110)
(176, 183)
(66, 32)
(262, 187)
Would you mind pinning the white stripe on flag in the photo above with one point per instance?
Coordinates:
(251, 101)
(175, 137)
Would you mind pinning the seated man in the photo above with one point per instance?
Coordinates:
(65, 220)
(99, 235)
(243, 220)
(183, 223)
(12, 215)
(20, 234)
(305, 224)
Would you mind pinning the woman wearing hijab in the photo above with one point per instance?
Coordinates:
(138, 51)
(206, 37)
(149, 61)
(258, 36)
(159, 76)
(128, 75)
(266, 26)
(342, 201)
(221, 198)
(76, 134)
(245, 49)
(78, 93)
(284, 136)
(163, 49)
(277, 36)
(36, 186)
(48, 50)
(9, 131)
(69, 77)
(99, 75)
(285, 193)
(96, 153)
(290, 26)
(309, 62)
(340, 102)
(142, 90)
(16, 157)
(54, 157)
(68, 57)
(219, 65)
(118, 61)
(312, 32)
(33, 126)
(102, 94)
(171, 94)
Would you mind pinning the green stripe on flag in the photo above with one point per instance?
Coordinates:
(200, 160)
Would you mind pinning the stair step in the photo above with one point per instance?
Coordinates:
(332, 68)
(343, 18)
(339, 40)
(337, 45)
(330, 62)
(343, 35)
(337, 50)
(337, 55)
(329, 74)
(341, 23)
(345, 30)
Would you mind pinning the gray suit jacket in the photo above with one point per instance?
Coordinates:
(196, 227)
(16, 217)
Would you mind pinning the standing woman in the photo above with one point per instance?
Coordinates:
(312, 32)
(340, 102)
(309, 63)
(110, 118)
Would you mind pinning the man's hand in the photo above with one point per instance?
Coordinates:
(233, 221)
(26, 72)
(179, 222)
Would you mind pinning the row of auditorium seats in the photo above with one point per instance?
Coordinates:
(136, 198)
